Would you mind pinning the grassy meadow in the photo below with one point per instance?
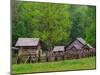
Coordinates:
(65, 65)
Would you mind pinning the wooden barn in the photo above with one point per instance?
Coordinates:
(30, 47)
(77, 44)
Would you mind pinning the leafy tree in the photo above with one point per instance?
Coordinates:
(54, 24)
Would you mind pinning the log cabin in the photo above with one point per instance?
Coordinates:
(29, 47)
(77, 44)
(78, 48)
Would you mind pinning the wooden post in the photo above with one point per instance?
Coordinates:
(55, 58)
(39, 55)
(46, 56)
(28, 59)
(18, 60)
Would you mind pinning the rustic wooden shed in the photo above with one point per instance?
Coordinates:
(30, 47)
(78, 43)
(58, 51)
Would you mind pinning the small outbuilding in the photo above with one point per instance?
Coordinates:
(58, 50)
(29, 46)
(78, 43)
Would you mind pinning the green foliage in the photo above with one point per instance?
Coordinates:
(77, 64)
(55, 24)
(90, 30)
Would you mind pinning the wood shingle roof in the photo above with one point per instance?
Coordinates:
(58, 48)
(27, 42)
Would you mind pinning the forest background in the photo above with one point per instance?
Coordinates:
(54, 24)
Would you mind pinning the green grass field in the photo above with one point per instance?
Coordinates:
(75, 64)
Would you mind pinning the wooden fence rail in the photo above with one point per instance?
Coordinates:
(50, 56)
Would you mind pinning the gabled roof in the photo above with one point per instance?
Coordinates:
(58, 48)
(84, 42)
(77, 47)
(81, 40)
(87, 46)
(27, 42)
